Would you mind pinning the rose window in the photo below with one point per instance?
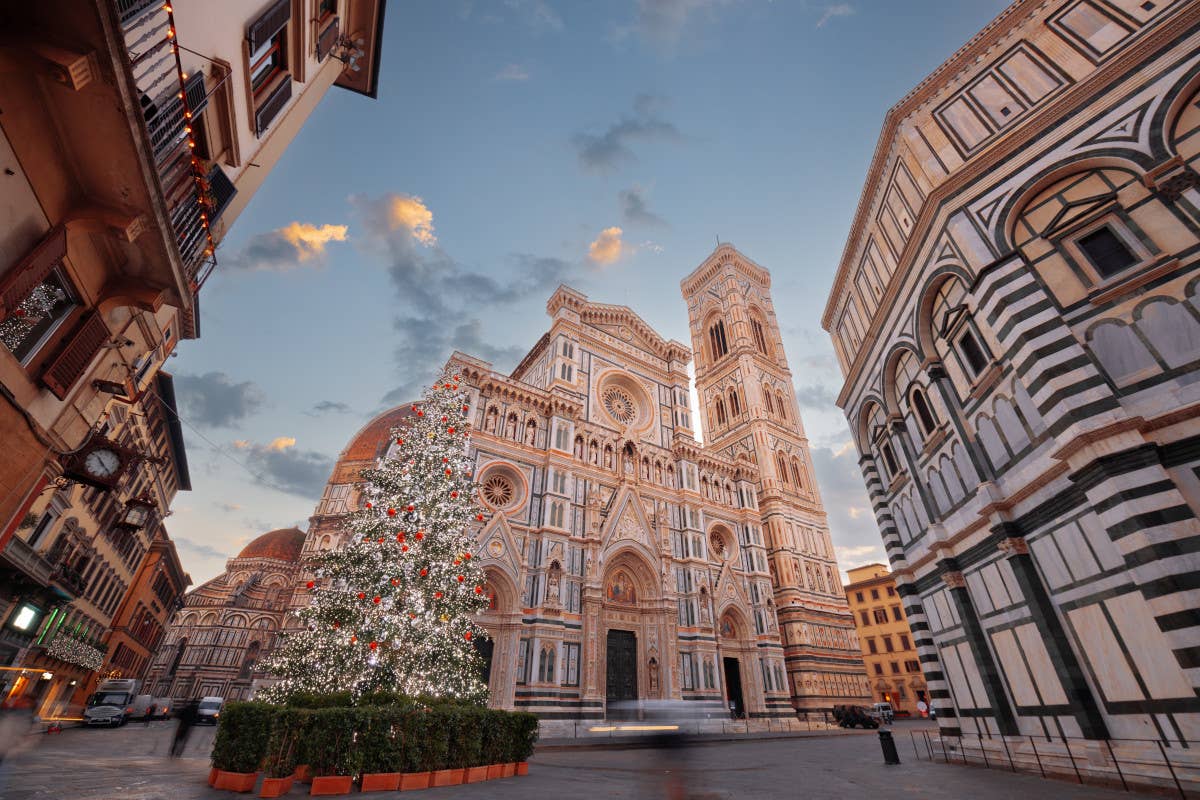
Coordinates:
(619, 404)
(716, 543)
(498, 491)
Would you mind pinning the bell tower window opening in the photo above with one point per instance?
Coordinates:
(720, 410)
(770, 405)
(760, 341)
(717, 341)
(734, 406)
(782, 467)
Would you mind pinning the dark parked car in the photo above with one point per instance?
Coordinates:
(854, 717)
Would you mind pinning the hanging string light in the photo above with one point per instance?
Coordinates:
(203, 197)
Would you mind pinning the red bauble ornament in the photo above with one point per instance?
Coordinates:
(455, 386)
(391, 512)
(403, 548)
(380, 540)
(362, 595)
(424, 572)
(445, 419)
(479, 517)
(448, 472)
(411, 507)
(454, 494)
(399, 441)
(400, 537)
(478, 590)
(377, 600)
(366, 540)
(420, 413)
(310, 584)
(337, 625)
(395, 581)
(437, 595)
(467, 636)
(466, 409)
(461, 578)
(369, 505)
(373, 645)
(445, 460)
(353, 639)
(467, 556)
(412, 616)
(450, 430)
(420, 535)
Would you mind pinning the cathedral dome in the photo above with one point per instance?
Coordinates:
(284, 544)
(373, 439)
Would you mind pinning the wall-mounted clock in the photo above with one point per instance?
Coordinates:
(99, 463)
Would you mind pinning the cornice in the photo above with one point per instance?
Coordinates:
(725, 255)
(492, 384)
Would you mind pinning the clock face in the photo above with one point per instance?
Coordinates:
(102, 463)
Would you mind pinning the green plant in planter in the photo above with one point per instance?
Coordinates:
(331, 747)
(287, 746)
(524, 732)
(426, 741)
(380, 739)
(241, 742)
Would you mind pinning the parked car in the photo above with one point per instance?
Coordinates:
(209, 710)
(857, 717)
(162, 708)
(112, 704)
(883, 712)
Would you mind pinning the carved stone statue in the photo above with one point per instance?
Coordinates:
(652, 670)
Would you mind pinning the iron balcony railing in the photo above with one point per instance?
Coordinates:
(148, 44)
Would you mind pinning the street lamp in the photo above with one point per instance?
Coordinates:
(137, 512)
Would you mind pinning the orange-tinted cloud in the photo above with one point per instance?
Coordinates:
(607, 247)
(280, 443)
(310, 240)
(411, 214)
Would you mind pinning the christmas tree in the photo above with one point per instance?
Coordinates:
(392, 609)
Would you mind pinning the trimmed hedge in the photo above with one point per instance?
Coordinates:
(383, 733)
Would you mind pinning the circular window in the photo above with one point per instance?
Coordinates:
(501, 487)
(619, 404)
(498, 490)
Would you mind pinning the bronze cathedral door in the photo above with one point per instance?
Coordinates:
(621, 671)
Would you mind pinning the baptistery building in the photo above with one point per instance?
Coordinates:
(1017, 317)
(624, 559)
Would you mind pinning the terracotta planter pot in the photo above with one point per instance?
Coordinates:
(446, 777)
(380, 782)
(236, 781)
(475, 774)
(303, 774)
(522, 767)
(276, 787)
(212, 776)
(414, 780)
(331, 784)
(510, 769)
(495, 771)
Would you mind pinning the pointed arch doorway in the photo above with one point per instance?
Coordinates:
(621, 666)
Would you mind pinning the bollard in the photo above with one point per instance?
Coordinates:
(890, 756)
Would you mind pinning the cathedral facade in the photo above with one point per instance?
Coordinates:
(624, 559)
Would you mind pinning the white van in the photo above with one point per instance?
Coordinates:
(142, 707)
(112, 704)
(883, 712)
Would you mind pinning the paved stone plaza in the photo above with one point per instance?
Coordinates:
(130, 764)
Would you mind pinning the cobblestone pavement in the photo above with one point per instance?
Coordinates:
(131, 764)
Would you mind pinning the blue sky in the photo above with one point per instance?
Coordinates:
(510, 140)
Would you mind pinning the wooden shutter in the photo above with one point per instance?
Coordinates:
(221, 189)
(326, 40)
(269, 23)
(19, 281)
(194, 91)
(75, 355)
(272, 106)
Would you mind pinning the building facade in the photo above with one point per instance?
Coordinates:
(225, 625)
(625, 560)
(1017, 318)
(893, 668)
(133, 134)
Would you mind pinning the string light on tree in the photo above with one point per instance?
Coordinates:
(393, 609)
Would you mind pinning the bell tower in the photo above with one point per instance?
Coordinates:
(748, 408)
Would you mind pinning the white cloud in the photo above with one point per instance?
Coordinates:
(839, 10)
(512, 72)
(607, 248)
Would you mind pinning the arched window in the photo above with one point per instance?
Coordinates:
(734, 405)
(760, 341)
(781, 465)
(767, 400)
(953, 331)
(546, 665)
(782, 405)
(720, 406)
(716, 340)
(796, 473)
(924, 413)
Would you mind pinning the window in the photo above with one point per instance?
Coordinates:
(887, 644)
(912, 665)
(874, 594)
(796, 473)
(561, 434)
(560, 482)
(895, 667)
(904, 644)
(522, 661)
(270, 82)
(866, 619)
(716, 340)
(871, 646)
(760, 341)
(858, 596)
(36, 313)
(734, 405)
(546, 665)
(889, 458)
(881, 616)
(878, 669)
(1106, 251)
(767, 401)
(570, 667)
(924, 412)
(781, 463)
(557, 513)
(897, 614)
(568, 349)
(720, 408)
(972, 352)
(565, 372)
(891, 591)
